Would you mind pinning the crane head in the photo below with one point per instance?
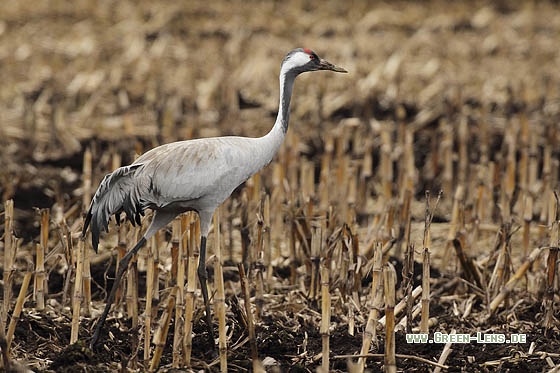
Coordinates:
(302, 59)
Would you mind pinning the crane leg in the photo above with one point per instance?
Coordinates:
(202, 277)
(123, 266)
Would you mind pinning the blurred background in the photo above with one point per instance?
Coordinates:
(120, 72)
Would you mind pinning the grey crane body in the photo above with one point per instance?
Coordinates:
(181, 176)
(192, 175)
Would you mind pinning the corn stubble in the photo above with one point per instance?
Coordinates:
(324, 235)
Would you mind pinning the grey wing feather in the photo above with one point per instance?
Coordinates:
(117, 192)
(180, 171)
(195, 169)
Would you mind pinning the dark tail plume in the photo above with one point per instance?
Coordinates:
(117, 192)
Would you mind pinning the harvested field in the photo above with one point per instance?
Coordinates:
(418, 193)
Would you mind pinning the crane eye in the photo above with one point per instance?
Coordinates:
(311, 57)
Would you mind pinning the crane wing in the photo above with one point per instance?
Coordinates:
(202, 171)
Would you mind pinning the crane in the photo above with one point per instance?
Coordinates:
(192, 175)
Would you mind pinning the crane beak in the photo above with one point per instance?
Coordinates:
(326, 65)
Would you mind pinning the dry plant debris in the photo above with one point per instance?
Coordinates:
(461, 98)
